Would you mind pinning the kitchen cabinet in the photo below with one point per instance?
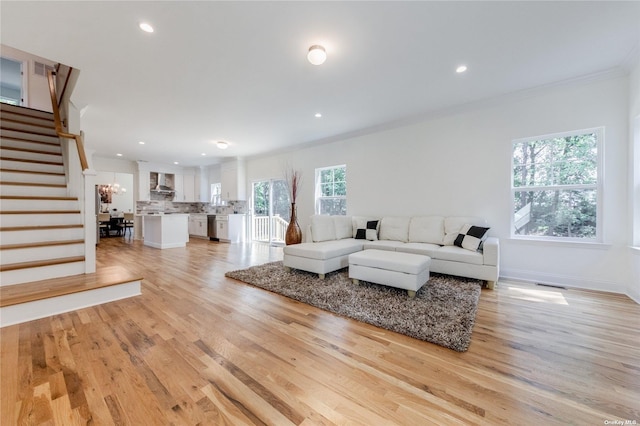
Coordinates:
(198, 225)
(185, 188)
(232, 179)
(231, 228)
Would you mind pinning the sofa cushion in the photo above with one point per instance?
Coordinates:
(360, 222)
(470, 237)
(369, 232)
(426, 229)
(425, 249)
(457, 254)
(453, 225)
(343, 226)
(382, 245)
(325, 249)
(395, 228)
(322, 228)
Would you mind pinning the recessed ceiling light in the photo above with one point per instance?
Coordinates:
(141, 142)
(317, 55)
(175, 162)
(204, 153)
(222, 144)
(147, 28)
(461, 68)
(119, 155)
(318, 115)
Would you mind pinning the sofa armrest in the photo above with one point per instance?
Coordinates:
(491, 251)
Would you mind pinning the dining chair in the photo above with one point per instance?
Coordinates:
(127, 223)
(103, 223)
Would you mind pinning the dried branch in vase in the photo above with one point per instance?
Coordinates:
(293, 178)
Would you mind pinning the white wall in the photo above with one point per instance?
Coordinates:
(459, 163)
(633, 288)
(37, 91)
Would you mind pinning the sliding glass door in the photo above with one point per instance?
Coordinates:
(270, 211)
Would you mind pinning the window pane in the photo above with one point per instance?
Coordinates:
(333, 206)
(561, 213)
(326, 176)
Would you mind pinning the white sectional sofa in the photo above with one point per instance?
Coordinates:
(448, 241)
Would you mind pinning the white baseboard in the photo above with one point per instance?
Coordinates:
(562, 280)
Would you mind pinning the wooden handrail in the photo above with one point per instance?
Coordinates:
(58, 123)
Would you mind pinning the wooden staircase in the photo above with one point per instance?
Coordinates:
(42, 236)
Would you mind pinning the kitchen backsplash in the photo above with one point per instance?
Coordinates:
(231, 207)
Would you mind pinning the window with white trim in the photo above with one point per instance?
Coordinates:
(557, 186)
(331, 190)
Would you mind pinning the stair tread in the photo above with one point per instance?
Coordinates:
(31, 172)
(35, 197)
(15, 138)
(28, 160)
(39, 263)
(38, 227)
(39, 211)
(40, 244)
(49, 125)
(31, 151)
(48, 185)
(38, 290)
(19, 109)
(30, 132)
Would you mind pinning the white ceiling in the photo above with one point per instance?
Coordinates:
(237, 71)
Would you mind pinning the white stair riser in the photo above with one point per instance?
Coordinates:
(48, 147)
(36, 205)
(35, 236)
(36, 167)
(8, 115)
(6, 108)
(36, 191)
(32, 178)
(15, 314)
(35, 156)
(20, 276)
(7, 220)
(22, 135)
(41, 253)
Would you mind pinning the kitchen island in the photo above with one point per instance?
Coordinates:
(165, 231)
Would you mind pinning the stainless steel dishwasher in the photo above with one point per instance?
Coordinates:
(211, 227)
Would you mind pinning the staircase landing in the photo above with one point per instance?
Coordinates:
(39, 299)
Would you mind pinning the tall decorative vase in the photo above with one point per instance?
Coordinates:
(293, 234)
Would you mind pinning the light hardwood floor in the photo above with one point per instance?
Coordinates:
(198, 348)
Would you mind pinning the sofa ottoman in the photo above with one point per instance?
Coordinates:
(395, 269)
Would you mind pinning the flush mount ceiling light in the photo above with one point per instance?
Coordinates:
(318, 115)
(317, 55)
(222, 144)
(461, 69)
(147, 28)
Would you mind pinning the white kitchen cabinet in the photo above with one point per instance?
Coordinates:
(233, 180)
(198, 225)
(222, 228)
(231, 228)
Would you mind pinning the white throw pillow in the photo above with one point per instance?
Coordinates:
(427, 229)
(395, 228)
(343, 226)
(322, 228)
(453, 225)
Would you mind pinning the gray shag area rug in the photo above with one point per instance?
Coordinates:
(443, 311)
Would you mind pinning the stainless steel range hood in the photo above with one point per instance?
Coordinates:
(161, 186)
